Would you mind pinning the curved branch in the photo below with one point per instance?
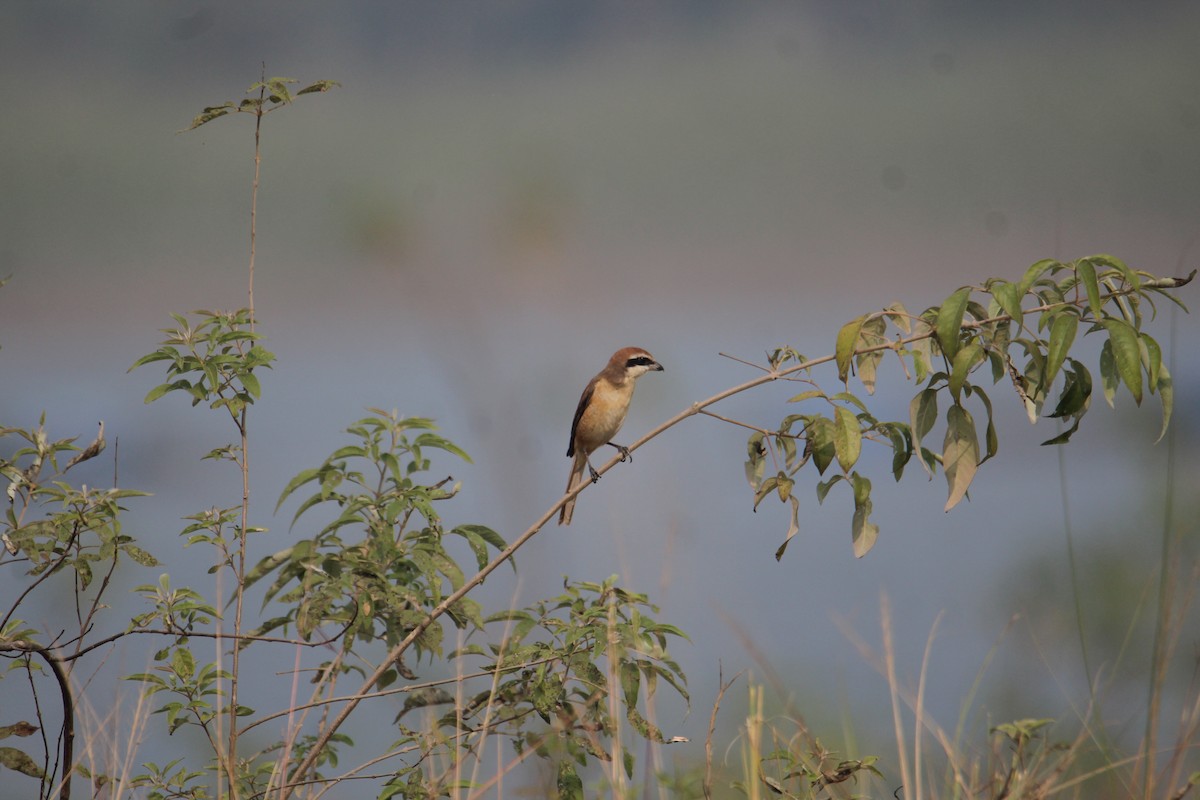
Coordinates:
(200, 635)
(507, 553)
(68, 704)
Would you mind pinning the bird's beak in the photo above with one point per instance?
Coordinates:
(657, 367)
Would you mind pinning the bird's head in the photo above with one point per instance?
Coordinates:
(634, 362)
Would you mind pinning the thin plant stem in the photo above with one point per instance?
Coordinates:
(889, 657)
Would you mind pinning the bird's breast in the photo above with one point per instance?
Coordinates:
(604, 415)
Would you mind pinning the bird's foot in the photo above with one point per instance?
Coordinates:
(595, 475)
(624, 451)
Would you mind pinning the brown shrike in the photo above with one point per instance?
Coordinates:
(600, 414)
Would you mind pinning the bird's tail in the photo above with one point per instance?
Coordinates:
(577, 471)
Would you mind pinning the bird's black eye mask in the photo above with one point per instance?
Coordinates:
(640, 361)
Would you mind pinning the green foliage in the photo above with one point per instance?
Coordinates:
(273, 94)
(1024, 334)
(194, 687)
(212, 360)
(782, 755)
(550, 683)
(380, 565)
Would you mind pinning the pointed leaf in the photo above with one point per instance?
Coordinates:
(864, 531)
(295, 483)
(964, 361)
(1109, 380)
(1009, 300)
(847, 438)
(1166, 393)
(1033, 273)
(250, 382)
(949, 320)
(823, 487)
(1062, 336)
(960, 455)
(821, 441)
(847, 340)
(922, 413)
(1087, 276)
(1151, 355)
(793, 527)
(1127, 354)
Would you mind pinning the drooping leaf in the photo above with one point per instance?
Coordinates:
(864, 532)
(1109, 379)
(1166, 393)
(1087, 276)
(1151, 355)
(847, 340)
(1009, 300)
(1062, 336)
(1032, 274)
(902, 447)
(922, 413)
(208, 115)
(847, 438)
(960, 454)
(964, 361)
(1127, 354)
(821, 441)
(793, 527)
(949, 320)
(992, 441)
(18, 761)
(319, 86)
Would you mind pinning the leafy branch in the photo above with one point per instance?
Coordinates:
(962, 335)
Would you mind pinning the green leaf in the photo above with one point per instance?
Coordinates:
(140, 556)
(319, 86)
(899, 316)
(847, 438)
(183, 664)
(949, 320)
(902, 447)
(823, 487)
(250, 382)
(1166, 393)
(1033, 273)
(163, 388)
(1127, 354)
(793, 527)
(922, 413)
(1086, 272)
(1076, 394)
(1009, 300)
(18, 761)
(964, 361)
(295, 483)
(1109, 380)
(847, 340)
(20, 728)
(1062, 336)
(1151, 355)
(960, 454)
(806, 395)
(208, 115)
(864, 531)
(569, 784)
(821, 439)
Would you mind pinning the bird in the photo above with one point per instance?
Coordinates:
(601, 411)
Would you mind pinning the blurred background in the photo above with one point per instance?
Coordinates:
(500, 195)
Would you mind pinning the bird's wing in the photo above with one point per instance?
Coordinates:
(583, 403)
